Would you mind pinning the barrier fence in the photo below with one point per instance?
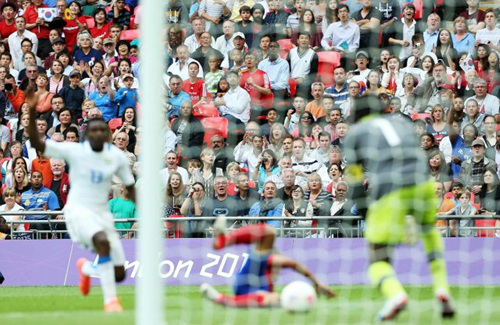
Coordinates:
(182, 227)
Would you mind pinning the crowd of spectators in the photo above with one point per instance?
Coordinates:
(259, 97)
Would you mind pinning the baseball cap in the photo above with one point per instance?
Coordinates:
(478, 142)
(362, 53)
(108, 40)
(239, 34)
(127, 75)
(58, 40)
(75, 73)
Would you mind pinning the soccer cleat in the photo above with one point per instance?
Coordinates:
(113, 307)
(85, 280)
(209, 292)
(446, 303)
(219, 230)
(393, 307)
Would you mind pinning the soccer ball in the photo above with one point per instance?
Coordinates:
(298, 296)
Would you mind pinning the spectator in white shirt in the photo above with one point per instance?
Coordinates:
(180, 67)
(488, 104)
(193, 41)
(235, 104)
(171, 161)
(16, 38)
(245, 145)
(343, 34)
(224, 43)
(251, 158)
(491, 34)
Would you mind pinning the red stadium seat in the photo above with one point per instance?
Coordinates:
(327, 62)
(206, 110)
(130, 34)
(115, 123)
(293, 87)
(285, 47)
(213, 126)
(485, 232)
(285, 44)
(175, 229)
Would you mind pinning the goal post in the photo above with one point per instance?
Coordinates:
(149, 297)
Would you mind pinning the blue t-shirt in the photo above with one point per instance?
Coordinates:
(35, 201)
(459, 149)
(254, 274)
(94, 55)
(176, 102)
(105, 104)
(130, 99)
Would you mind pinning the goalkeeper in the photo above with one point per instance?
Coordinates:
(254, 282)
(399, 202)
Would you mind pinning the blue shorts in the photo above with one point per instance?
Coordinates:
(255, 275)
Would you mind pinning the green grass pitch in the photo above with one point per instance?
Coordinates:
(184, 305)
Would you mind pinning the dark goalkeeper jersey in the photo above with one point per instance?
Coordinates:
(385, 150)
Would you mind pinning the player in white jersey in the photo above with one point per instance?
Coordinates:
(89, 222)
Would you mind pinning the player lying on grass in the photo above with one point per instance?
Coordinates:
(254, 285)
(386, 148)
(89, 222)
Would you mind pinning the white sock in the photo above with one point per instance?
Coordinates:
(106, 270)
(90, 269)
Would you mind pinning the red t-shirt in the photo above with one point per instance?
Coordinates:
(6, 30)
(31, 15)
(71, 31)
(196, 90)
(102, 32)
(262, 79)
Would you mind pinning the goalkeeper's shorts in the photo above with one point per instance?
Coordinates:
(385, 222)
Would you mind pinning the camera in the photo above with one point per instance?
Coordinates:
(264, 160)
(9, 87)
(196, 189)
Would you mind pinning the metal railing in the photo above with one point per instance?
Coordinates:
(327, 226)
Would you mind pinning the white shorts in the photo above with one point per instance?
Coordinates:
(83, 223)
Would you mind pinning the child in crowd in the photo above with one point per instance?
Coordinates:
(194, 165)
(293, 115)
(212, 78)
(126, 96)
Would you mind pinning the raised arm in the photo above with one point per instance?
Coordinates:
(35, 139)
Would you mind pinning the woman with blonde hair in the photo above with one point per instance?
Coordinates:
(9, 196)
(176, 191)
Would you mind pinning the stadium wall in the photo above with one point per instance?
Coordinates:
(471, 261)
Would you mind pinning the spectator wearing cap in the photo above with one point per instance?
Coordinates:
(110, 51)
(361, 73)
(472, 172)
(7, 25)
(239, 44)
(86, 53)
(16, 38)
(278, 70)
(344, 34)
(119, 14)
(126, 96)
(73, 95)
(402, 33)
(58, 45)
